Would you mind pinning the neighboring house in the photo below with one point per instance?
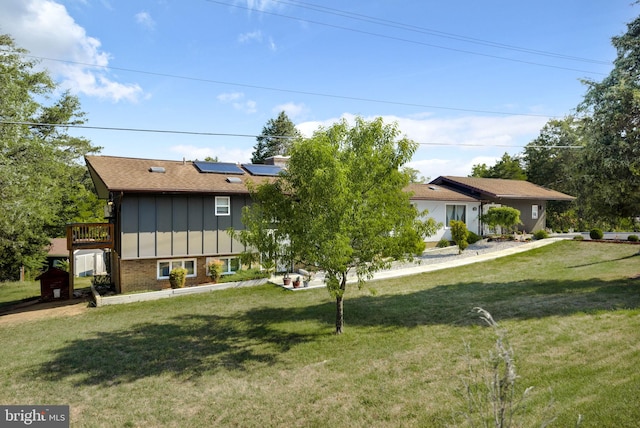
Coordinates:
(445, 204)
(530, 199)
(87, 262)
(168, 214)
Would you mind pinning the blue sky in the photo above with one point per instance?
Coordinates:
(441, 70)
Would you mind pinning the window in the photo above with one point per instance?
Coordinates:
(534, 212)
(229, 264)
(165, 267)
(223, 205)
(456, 212)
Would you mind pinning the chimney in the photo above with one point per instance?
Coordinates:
(280, 161)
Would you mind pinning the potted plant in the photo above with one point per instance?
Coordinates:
(177, 277)
(296, 283)
(307, 279)
(215, 270)
(286, 280)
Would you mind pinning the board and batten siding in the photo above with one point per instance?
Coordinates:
(177, 226)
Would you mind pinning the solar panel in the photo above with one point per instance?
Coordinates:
(218, 167)
(259, 169)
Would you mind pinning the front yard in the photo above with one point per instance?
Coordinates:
(266, 357)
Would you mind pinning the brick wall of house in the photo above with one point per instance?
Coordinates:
(139, 275)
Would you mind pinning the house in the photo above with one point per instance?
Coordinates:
(86, 262)
(443, 205)
(168, 214)
(528, 198)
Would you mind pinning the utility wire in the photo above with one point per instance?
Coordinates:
(221, 134)
(290, 91)
(432, 32)
(370, 33)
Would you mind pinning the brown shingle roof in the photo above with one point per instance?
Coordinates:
(432, 192)
(118, 174)
(502, 188)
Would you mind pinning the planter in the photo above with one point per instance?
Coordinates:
(286, 281)
(296, 283)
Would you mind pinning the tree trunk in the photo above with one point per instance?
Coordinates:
(340, 305)
(339, 315)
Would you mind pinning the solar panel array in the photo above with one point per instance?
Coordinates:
(264, 170)
(218, 167)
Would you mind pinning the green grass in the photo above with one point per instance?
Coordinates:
(14, 292)
(263, 357)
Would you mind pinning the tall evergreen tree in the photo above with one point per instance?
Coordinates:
(43, 185)
(610, 168)
(276, 138)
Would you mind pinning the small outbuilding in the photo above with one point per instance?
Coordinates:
(54, 284)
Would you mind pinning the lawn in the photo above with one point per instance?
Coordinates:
(263, 356)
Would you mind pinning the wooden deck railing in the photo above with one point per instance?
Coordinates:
(89, 235)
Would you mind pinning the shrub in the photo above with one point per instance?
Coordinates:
(632, 238)
(596, 234)
(472, 238)
(578, 238)
(215, 269)
(443, 243)
(177, 277)
(459, 234)
(541, 234)
(246, 275)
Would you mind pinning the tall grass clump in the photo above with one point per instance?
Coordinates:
(490, 394)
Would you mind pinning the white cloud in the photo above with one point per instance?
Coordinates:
(451, 146)
(252, 36)
(223, 153)
(145, 20)
(292, 109)
(261, 5)
(46, 29)
(236, 99)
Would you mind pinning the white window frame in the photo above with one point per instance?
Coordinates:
(223, 205)
(174, 263)
(446, 220)
(226, 265)
(534, 212)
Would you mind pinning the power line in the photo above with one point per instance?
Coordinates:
(222, 134)
(437, 33)
(290, 91)
(370, 33)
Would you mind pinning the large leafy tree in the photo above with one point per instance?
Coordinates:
(276, 138)
(506, 167)
(42, 184)
(341, 206)
(611, 163)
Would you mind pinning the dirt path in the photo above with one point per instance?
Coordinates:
(32, 311)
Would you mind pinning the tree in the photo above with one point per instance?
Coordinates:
(414, 175)
(341, 206)
(42, 184)
(276, 139)
(507, 167)
(506, 217)
(610, 166)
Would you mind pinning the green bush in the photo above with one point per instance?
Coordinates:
(578, 238)
(472, 238)
(459, 234)
(541, 234)
(443, 243)
(632, 238)
(178, 277)
(596, 234)
(215, 270)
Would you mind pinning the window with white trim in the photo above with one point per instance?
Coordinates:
(166, 266)
(223, 205)
(456, 212)
(229, 264)
(534, 212)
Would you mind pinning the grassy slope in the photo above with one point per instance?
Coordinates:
(266, 357)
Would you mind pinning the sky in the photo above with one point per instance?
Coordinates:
(467, 80)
